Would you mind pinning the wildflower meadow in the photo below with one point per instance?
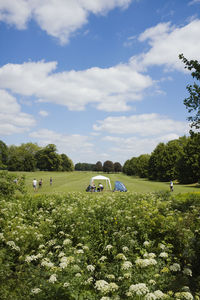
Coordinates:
(100, 246)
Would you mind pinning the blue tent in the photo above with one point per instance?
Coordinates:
(119, 186)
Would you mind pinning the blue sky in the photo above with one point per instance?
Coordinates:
(99, 79)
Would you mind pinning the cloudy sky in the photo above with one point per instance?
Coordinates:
(100, 79)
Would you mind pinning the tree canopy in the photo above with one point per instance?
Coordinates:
(192, 103)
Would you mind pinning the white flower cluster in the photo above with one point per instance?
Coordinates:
(139, 289)
(175, 267)
(163, 254)
(184, 296)
(187, 271)
(13, 246)
(53, 278)
(90, 268)
(30, 258)
(143, 263)
(65, 261)
(126, 265)
(47, 263)
(109, 247)
(105, 287)
(67, 242)
(121, 256)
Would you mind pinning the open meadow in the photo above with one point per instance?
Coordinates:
(78, 181)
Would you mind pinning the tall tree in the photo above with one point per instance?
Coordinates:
(117, 167)
(98, 166)
(192, 103)
(108, 166)
(142, 165)
(3, 155)
(66, 163)
(48, 159)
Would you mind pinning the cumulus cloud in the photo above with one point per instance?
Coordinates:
(12, 120)
(59, 18)
(65, 143)
(142, 125)
(108, 89)
(167, 42)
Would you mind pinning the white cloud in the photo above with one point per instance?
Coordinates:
(12, 120)
(144, 125)
(59, 18)
(108, 89)
(167, 42)
(43, 113)
(69, 144)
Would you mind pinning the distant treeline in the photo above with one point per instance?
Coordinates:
(31, 157)
(108, 167)
(176, 160)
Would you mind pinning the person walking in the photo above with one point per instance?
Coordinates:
(35, 184)
(171, 186)
(51, 181)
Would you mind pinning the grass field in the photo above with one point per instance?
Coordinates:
(78, 181)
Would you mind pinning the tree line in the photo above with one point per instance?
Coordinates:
(176, 160)
(30, 157)
(108, 167)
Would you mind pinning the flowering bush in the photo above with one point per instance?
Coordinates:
(99, 246)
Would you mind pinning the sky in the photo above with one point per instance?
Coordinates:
(100, 79)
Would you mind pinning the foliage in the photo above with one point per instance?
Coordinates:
(10, 183)
(66, 163)
(108, 166)
(84, 167)
(117, 167)
(192, 103)
(3, 155)
(100, 246)
(98, 166)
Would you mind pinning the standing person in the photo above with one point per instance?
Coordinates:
(40, 183)
(35, 184)
(51, 180)
(171, 186)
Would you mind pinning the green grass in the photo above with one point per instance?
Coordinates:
(78, 181)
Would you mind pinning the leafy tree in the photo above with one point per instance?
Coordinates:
(3, 155)
(142, 165)
(126, 167)
(108, 166)
(188, 165)
(117, 167)
(192, 103)
(98, 166)
(66, 163)
(48, 159)
(84, 167)
(157, 161)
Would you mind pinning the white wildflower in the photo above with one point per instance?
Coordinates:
(101, 285)
(109, 247)
(125, 249)
(139, 289)
(67, 242)
(150, 296)
(66, 284)
(113, 287)
(159, 294)
(187, 271)
(149, 255)
(102, 258)
(78, 275)
(35, 291)
(184, 295)
(121, 256)
(105, 298)
(143, 263)
(146, 243)
(163, 254)
(126, 265)
(110, 276)
(53, 278)
(90, 268)
(175, 267)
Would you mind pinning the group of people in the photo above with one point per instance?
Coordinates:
(35, 182)
(93, 188)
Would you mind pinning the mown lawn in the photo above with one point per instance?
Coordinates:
(78, 181)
